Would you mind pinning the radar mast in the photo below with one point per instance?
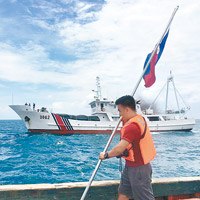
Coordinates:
(98, 91)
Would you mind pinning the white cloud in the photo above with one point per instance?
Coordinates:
(113, 46)
(42, 24)
(125, 32)
(30, 64)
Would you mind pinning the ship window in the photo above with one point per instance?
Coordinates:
(93, 105)
(154, 118)
(102, 107)
(94, 118)
(82, 117)
(68, 116)
(43, 109)
(72, 117)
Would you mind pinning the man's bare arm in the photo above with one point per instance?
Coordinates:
(116, 151)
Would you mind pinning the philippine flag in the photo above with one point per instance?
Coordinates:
(149, 76)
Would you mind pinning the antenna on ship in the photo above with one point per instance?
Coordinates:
(98, 87)
(171, 79)
(98, 91)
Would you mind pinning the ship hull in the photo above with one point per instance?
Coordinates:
(45, 122)
(172, 125)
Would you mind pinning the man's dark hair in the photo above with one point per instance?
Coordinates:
(126, 100)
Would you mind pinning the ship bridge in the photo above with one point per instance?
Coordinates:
(99, 106)
(105, 109)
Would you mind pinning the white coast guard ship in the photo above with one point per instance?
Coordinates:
(103, 118)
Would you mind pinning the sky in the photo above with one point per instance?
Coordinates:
(52, 51)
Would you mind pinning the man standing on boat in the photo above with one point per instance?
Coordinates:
(137, 148)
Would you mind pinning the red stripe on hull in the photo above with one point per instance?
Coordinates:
(65, 132)
(60, 122)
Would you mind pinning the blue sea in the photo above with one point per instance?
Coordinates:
(27, 158)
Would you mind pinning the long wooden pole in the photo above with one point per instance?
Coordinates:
(119, 121)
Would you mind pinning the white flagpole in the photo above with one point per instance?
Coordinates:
(119, 121)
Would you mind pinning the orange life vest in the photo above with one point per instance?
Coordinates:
(146, 144)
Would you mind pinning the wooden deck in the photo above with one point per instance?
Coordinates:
(164, 189)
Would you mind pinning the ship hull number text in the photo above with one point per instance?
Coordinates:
(44, 117)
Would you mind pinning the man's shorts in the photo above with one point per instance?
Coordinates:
(136, 182)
